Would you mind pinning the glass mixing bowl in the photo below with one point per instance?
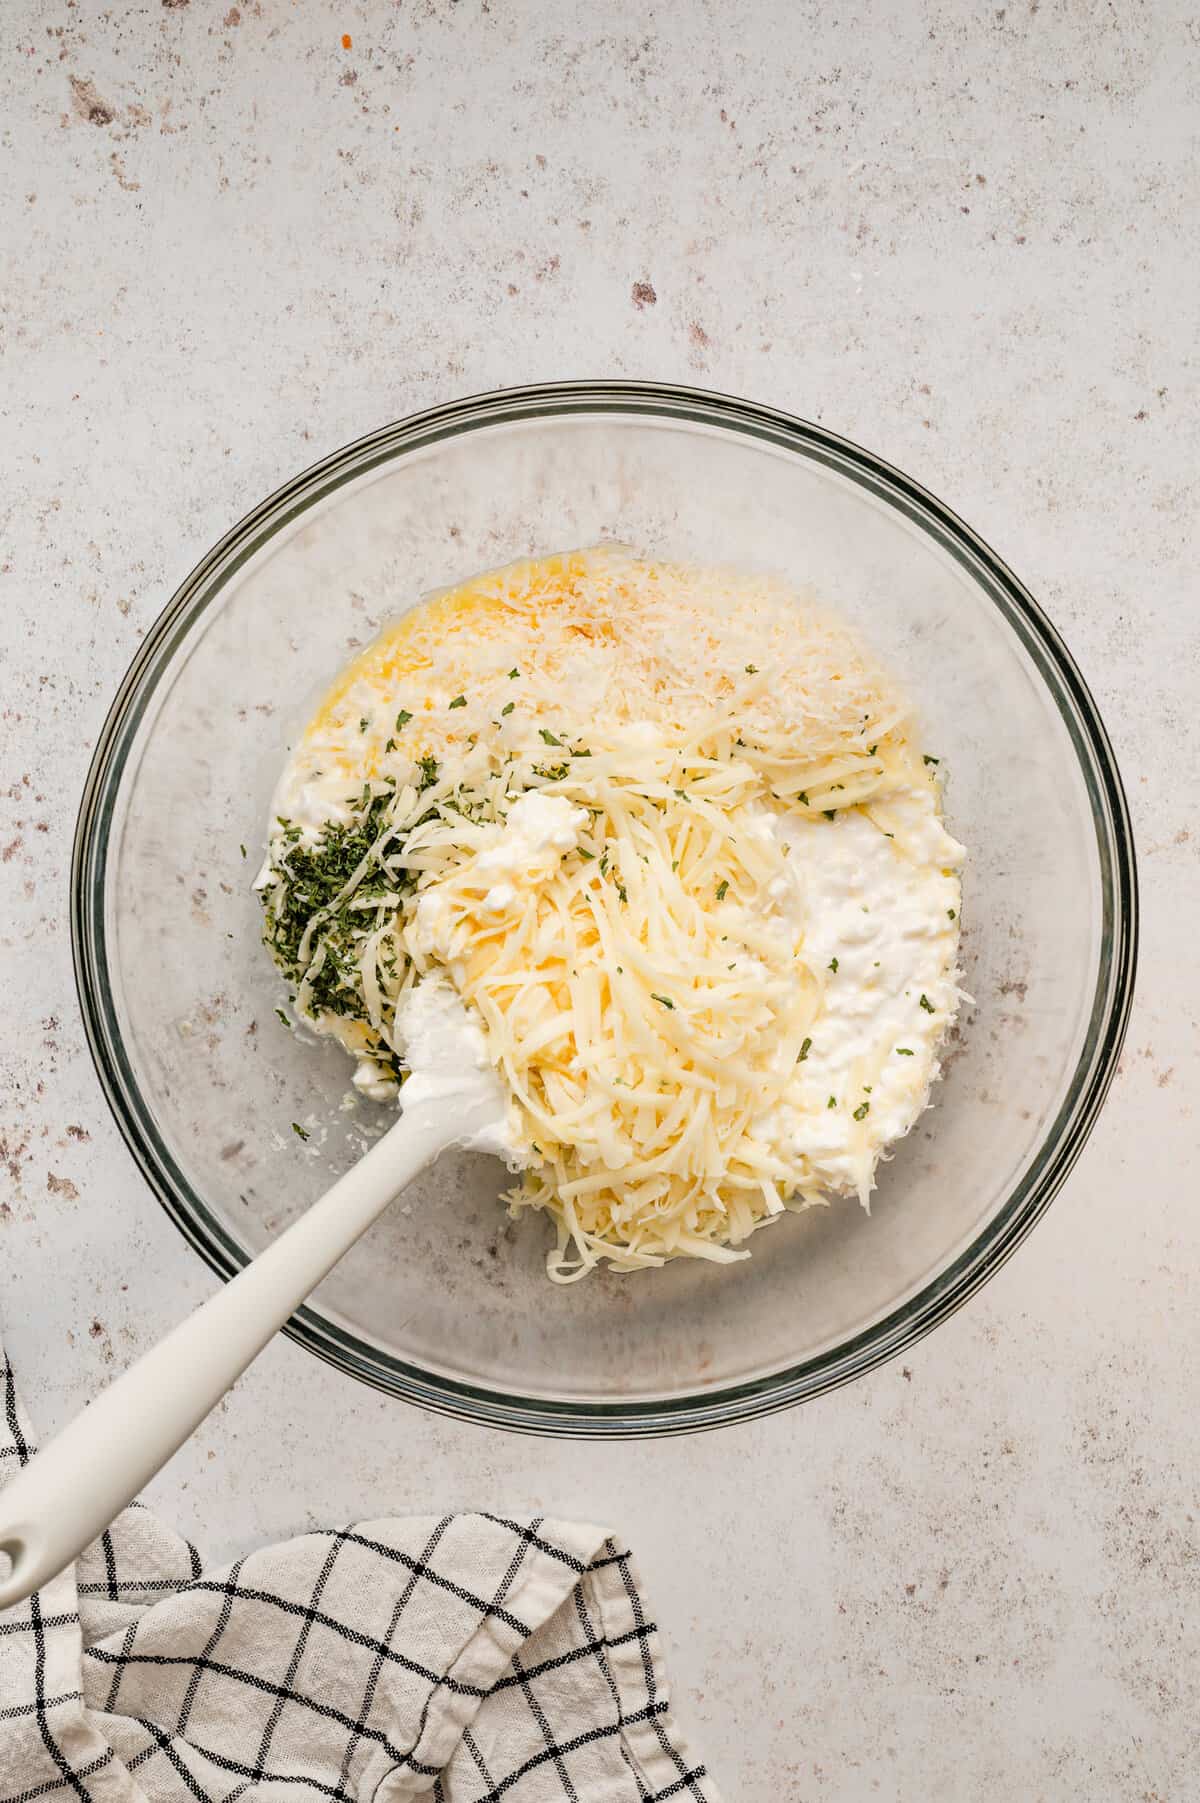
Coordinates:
(445, 1302)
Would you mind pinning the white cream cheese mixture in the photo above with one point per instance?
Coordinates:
(666, 841)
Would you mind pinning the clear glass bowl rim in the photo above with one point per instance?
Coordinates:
(1111, 1002)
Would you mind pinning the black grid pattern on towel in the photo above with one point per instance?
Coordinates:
(194, 1649)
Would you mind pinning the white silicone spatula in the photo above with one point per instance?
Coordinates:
(71, 1490)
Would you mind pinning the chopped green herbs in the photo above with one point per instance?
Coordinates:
(803, 797)
(829, 813)
(298, 1130)
(805, 1049)
(904, 1051)
(507, 709)
(862, 1111)
(751, 669)
(545, 733)
(322, 903)
(722, 889)
(950, 914)
(308, 883)
(833, 966)
(459, 701)
(513, 673)
(242, 849)
(930, 760)
(402, 719)
(363, 723)
(664, 1000)
(927, 1005)
(832, 1102)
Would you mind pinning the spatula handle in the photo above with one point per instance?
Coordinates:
(71, 1490)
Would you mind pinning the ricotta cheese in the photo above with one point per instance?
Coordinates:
(667, 840)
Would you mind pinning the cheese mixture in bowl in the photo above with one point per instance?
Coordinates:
(669, 835)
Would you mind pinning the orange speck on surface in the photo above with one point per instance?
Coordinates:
(347, 41)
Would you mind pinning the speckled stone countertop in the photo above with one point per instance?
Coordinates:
(968, 239)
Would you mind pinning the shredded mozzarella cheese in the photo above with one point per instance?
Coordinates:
(589, 765)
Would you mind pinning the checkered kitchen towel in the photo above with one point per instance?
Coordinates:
(465, 1659)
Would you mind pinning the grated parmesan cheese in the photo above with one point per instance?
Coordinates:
(601, 791)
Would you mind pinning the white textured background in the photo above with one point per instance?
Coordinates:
(967, 237)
